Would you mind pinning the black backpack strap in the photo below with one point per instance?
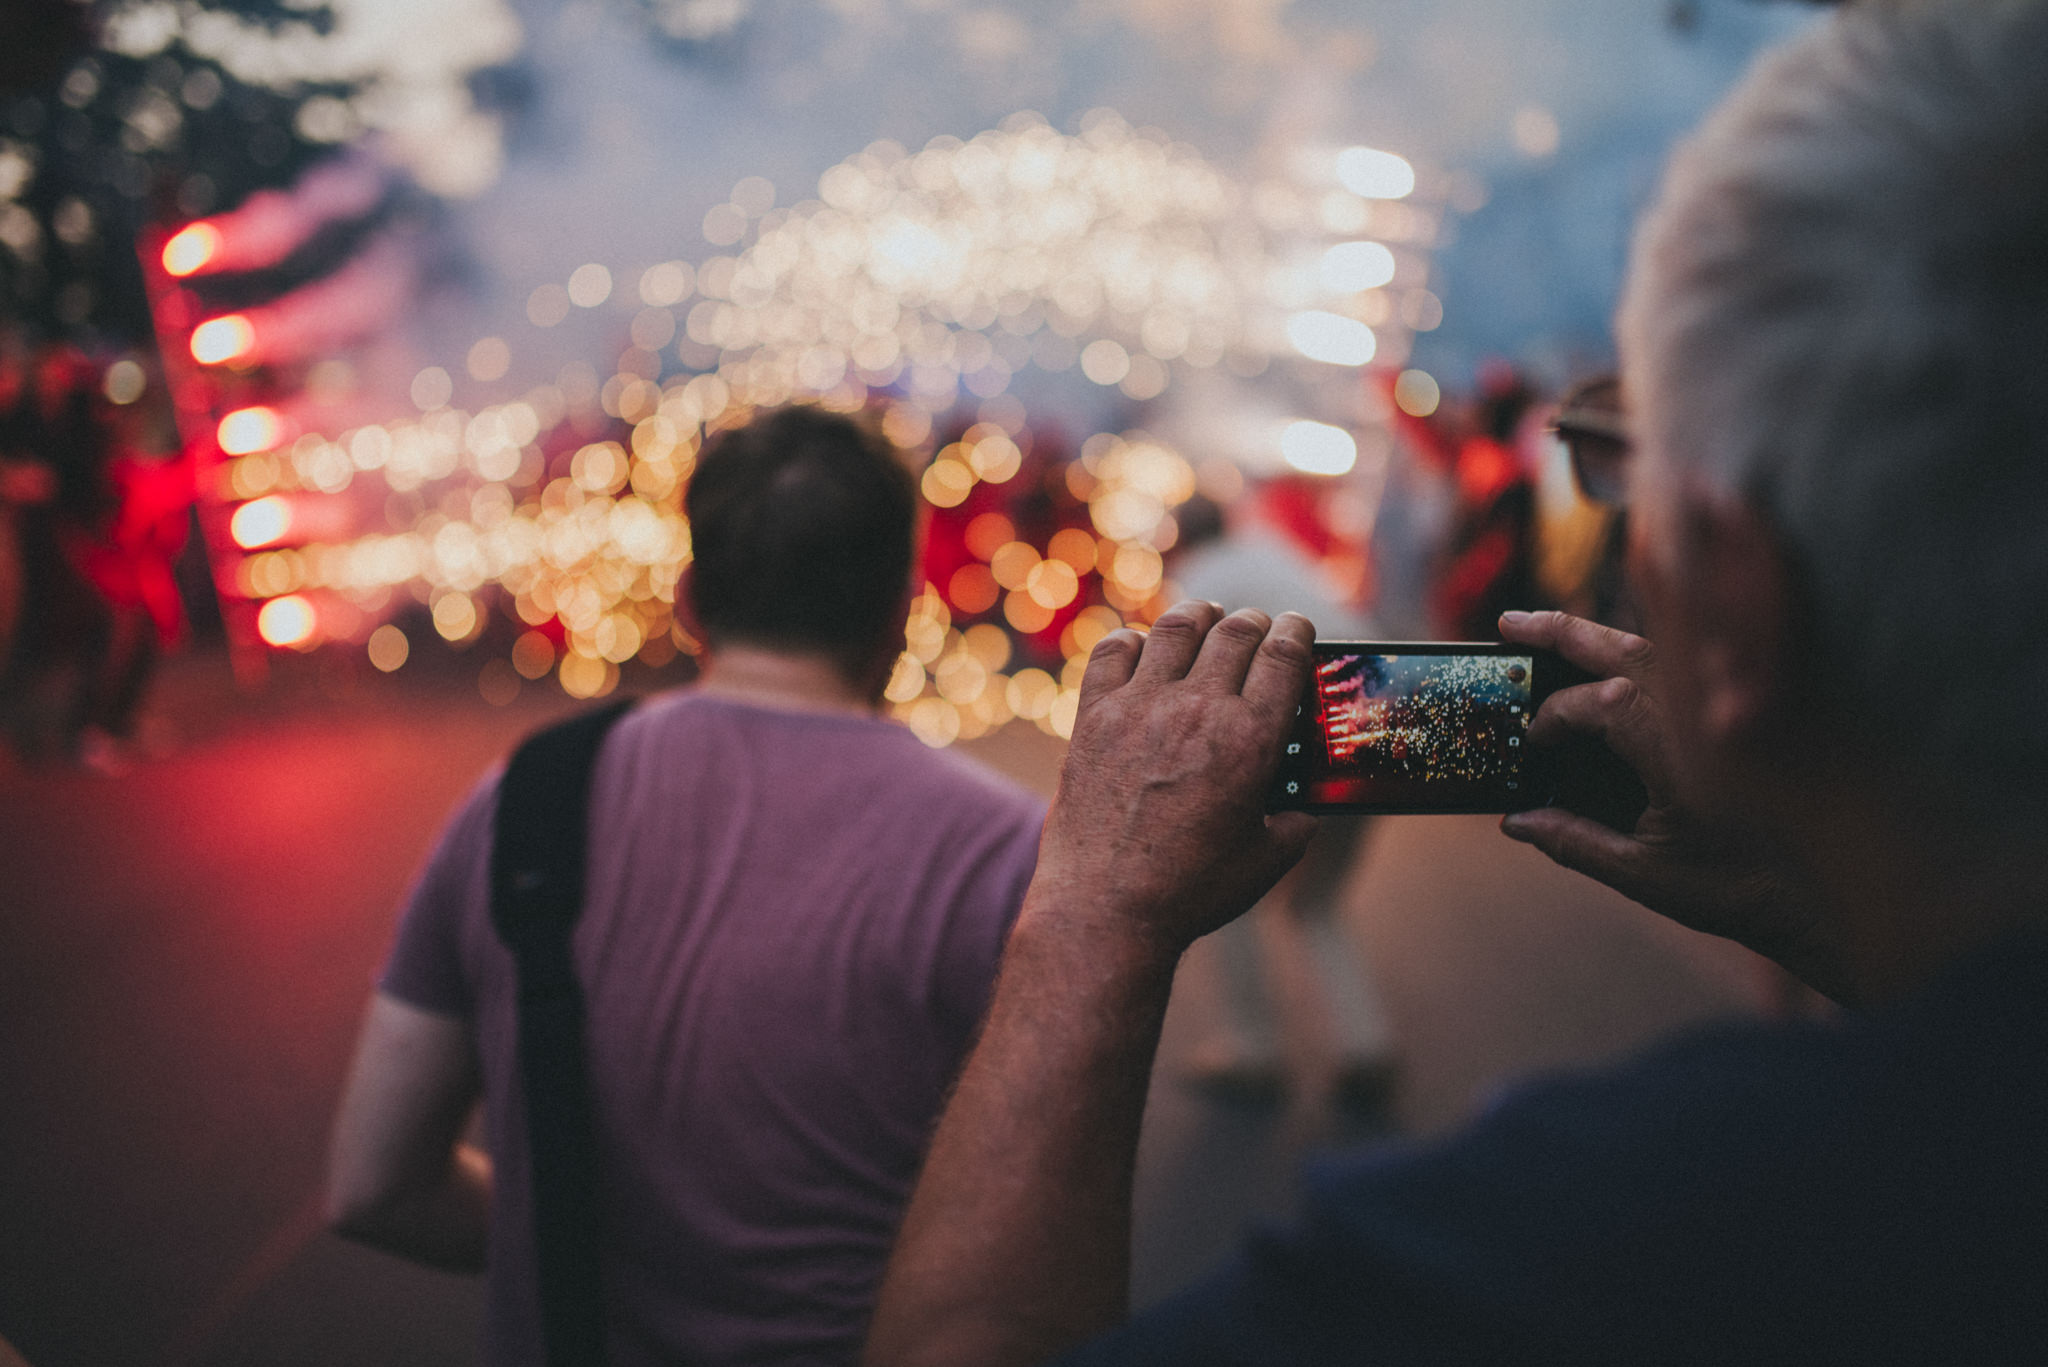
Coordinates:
(538, 849)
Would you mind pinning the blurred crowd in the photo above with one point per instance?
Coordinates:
(92, 522)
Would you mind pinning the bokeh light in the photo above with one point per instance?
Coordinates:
(388, 648)
(432, 388)
(489, 359)
(590, 285)
(533, 655)
(1417, 394)
(583, 676)
(261, 522)
(1316, 448)
(125, 381)
(1374, 174)
(917, 286)
(190, 249)
(1331, 337)
(666, 284)
(248, 430)
(498, 682)
(220, 340)
(287, 621)
(455, 617)
(1352, 266)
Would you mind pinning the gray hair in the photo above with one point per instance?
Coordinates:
(1838, 310)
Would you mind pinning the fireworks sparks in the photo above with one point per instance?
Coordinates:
(1427, 719)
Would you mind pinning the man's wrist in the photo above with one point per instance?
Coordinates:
(1116, 934)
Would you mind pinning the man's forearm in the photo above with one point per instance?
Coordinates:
(443, 1224)
(1017, 1244)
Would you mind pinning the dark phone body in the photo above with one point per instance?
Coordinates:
(1422, 726)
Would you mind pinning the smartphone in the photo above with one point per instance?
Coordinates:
(1404, 726)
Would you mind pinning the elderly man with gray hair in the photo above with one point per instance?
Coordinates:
(1833, 341)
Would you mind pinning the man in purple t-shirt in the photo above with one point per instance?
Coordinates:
(792, 920)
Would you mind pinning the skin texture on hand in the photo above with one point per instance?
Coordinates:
(1016, 1245)
(1160, 822)
(1698, 874)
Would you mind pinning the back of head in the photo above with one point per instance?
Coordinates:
(1839, 311)
(803, 530)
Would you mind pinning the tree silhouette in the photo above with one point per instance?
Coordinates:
(94, 143)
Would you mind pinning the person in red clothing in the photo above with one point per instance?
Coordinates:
(1488, 561)
(93, 528)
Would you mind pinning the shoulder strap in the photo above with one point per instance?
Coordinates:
(539, 843)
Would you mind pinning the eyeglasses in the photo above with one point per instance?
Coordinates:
(1590, 423)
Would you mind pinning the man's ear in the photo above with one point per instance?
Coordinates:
(1738, 589)
(685, 609)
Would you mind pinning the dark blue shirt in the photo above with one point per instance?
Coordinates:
(1872, 1189)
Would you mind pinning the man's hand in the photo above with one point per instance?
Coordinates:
(1671, 862)
(1160, 821)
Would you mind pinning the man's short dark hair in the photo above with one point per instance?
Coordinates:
(803, 525)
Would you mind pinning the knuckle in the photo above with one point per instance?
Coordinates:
(1292, 626)
(1287, 650)
(1620, 694)
(1247, 628)
(1119, 642)
(1633, 651)
(1176, 624)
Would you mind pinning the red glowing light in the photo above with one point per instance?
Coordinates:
(248, 430)
(191, 249)
(222, 339)
(261, 522)
(286, 621)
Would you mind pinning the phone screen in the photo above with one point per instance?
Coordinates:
(1417, 727)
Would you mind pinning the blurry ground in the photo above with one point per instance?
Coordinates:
(185, 948)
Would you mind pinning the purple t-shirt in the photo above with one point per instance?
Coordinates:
(791, 926)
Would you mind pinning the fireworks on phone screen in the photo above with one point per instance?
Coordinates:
(1422, 729)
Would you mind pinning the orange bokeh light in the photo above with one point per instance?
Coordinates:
(287, 621)
(261, 522)
(248, 430)
(222, 339)
(191, 249)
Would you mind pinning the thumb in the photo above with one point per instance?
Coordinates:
(1287, 837)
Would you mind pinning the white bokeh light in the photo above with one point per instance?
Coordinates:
(1352, 266)
(1375, 174)
(1316, 448)
(1331, 338)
